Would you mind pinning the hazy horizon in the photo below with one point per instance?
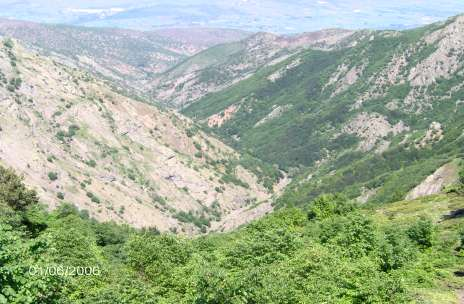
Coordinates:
(253, 15)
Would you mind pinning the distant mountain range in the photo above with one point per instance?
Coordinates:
(128, 57)
(251, 15)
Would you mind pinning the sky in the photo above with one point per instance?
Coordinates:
(290, 16)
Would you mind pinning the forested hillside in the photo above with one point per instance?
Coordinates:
(375, 117)
(332, 252)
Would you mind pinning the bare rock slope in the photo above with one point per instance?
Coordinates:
(434, 184)
(76, 140)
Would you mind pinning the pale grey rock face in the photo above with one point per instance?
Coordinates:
(435, 183)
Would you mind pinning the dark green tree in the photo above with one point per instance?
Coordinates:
(422, 232)
(13, 192)
(328, 205)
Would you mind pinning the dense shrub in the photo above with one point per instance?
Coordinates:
(328, 205)
(341, 254)
(395, 250)
(421, 232)
(13, 192)
(53, 176)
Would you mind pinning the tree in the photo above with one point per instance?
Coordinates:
(13, 192)
(328, 205)
(421, 232)
(53, 176)
(21, 280)
(395, 250)
(354, 234)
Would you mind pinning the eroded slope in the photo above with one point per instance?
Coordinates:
(76, 140)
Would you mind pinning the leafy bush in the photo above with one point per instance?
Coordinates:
(72, 131)
(95, 199)
(18, 256)
(342, 254)
(53, 176)
(329, 205)
(189, 217)
(192, 131)
(13, 192)
(461, 179)
(197, 145)
(91, 163)
(8, 43)
(354, 234)
(158, 256)
(395, 250)
(422, 232)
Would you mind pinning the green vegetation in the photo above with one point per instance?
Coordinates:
(422, 232)
(316, 247)
(71, 132)
(91, 163)
(14, 84)
(13, 192)
(327, 206)
(8, 43)
(197, 145)
(95, 199)
(192, 131)
(53, 176)
(333, 252)
(190, 217)
(306, 139)
(461, 177)
(461, 237)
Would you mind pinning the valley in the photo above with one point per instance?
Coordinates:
(206, 165)
(371, 115)
(303, 115)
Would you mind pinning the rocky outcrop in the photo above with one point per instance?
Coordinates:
(371, 127)
(344, 77)
(282, 71)
(217, 120)
(446, 59)
(277, 111)
(434, 134)
(435, 183)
